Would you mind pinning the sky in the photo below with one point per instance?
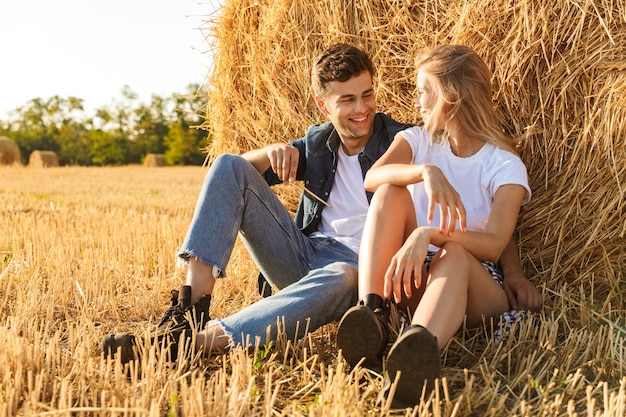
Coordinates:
(91, 49)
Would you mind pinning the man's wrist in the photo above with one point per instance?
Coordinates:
(513, 275)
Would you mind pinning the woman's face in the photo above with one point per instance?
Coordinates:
(426, 97)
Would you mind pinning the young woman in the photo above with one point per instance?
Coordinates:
(446, 202)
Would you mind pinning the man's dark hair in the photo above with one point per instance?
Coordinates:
(340, 62)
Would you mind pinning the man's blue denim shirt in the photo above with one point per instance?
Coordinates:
(318, 164)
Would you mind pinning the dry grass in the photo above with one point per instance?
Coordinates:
(87, 251)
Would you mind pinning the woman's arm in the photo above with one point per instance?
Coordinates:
(395, 168)
(406, 264)
(490, 244)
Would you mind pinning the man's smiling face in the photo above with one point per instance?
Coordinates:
(351, 107)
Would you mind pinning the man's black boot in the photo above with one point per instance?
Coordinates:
(181, 318)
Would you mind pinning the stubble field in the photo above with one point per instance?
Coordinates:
(89, 251)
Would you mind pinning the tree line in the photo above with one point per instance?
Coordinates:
(121, 133)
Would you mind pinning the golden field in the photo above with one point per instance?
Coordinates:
(88, 251)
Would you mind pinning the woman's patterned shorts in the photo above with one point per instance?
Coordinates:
(494, 269)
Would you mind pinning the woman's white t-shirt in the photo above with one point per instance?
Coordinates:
(475, 178)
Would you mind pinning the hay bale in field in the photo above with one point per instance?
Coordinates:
(43, 159)
(155, 160)
(558, 67)
(9, 152)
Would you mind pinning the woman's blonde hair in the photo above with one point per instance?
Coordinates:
(462, 83)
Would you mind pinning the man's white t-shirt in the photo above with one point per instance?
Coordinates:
(476, 178)
(345, 218)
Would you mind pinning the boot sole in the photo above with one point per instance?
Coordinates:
(416, 355)
(359, 336)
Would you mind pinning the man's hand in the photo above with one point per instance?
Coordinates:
(521, 293)
(440, 192)
(284, 161)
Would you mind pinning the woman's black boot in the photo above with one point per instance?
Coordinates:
(363, 332)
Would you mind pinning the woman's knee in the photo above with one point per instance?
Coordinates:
(452, 255)
(453, 250)
(390, 193)
(392, 199)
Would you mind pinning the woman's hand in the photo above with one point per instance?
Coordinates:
(407, 264)
(440, 192)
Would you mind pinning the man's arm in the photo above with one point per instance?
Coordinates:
(282, 158)
(522, 294)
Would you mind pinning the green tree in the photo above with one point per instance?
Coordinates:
(113, 132)
(108, 148)
(37, 124)
(120, 133)
(186, 141)
(184, 145)
(152, 125)
(75, 142)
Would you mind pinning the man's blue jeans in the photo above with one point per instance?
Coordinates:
(317, 277)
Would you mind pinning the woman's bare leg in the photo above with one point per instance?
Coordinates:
(458, 285)
(391, 218)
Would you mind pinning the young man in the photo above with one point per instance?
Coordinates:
(312, 261)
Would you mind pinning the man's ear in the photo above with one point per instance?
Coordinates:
(321, 105)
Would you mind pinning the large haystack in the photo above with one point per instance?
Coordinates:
(558, 68)
(43, 159)
(9, 152)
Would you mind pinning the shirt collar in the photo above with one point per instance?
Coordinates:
(372, 147)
